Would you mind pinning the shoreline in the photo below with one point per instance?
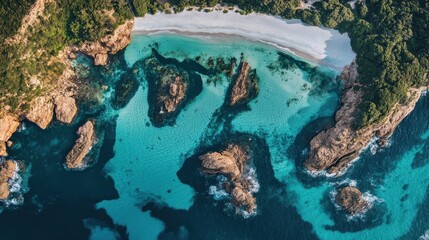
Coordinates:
(315, 44)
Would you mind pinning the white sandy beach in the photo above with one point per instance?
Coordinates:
(325, 46)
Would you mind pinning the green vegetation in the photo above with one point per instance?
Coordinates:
(11, 14)
(30, 65)
(390, 38)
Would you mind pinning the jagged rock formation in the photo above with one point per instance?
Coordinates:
(171, 92)
(86, 139)
(334, 149)
(232, 163)
(65, 108)
(109, 44)
(7, 170)
(351, 200)
(41, 111)
(8, 126)
(245, 86)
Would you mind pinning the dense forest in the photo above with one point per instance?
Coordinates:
(390, 37)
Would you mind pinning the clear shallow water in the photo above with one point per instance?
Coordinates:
(148, 168)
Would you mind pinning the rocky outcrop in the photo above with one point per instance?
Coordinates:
(3, 151)
(41, 111)
(245, 86)
(233, 163)
(65, 108)
(171, 92)
(7, 171)
(8, 126)
(75, 158)
(351, 200)
(334, 149)
(109, 44)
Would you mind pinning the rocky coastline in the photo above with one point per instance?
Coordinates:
(60, 100)
(333, 150)
(233, 163)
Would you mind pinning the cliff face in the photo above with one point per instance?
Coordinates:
(109, 44)
(334, 149)
(86, 139)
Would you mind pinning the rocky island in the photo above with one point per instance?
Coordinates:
(233, 163)
(245, 86)
(171, 88)
(351, 200)
(86, 137)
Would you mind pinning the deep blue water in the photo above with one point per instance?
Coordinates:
(145, 183)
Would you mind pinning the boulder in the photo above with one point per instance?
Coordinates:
(41, 111)
(75, 158)
(7, 170)
(65, 108)
(351, 200)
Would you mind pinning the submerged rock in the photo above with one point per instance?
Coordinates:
(7, 171)
(125, 89)
(351, 200)
(233, 163)
(41, 111)
(65, 108)
(245, 86)
(86, 139)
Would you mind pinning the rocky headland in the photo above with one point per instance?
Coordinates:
(7, 170)
(58, 97)
(351, 200)
(110, 44)
(233, 163)
(244, 87)
(86, 138)
(334, 149)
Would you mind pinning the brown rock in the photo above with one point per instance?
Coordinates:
(65, 108)
(41, 111)
(231, 163)
(8, 126)
(109, 44)
(333, 150)
(171, 92)
(245, 86)
(101, 59)
(7, 169)
(75, 158)
(3, 151)
(351, 200)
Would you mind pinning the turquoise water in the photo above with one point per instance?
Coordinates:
(147, 158)
(146, 184)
